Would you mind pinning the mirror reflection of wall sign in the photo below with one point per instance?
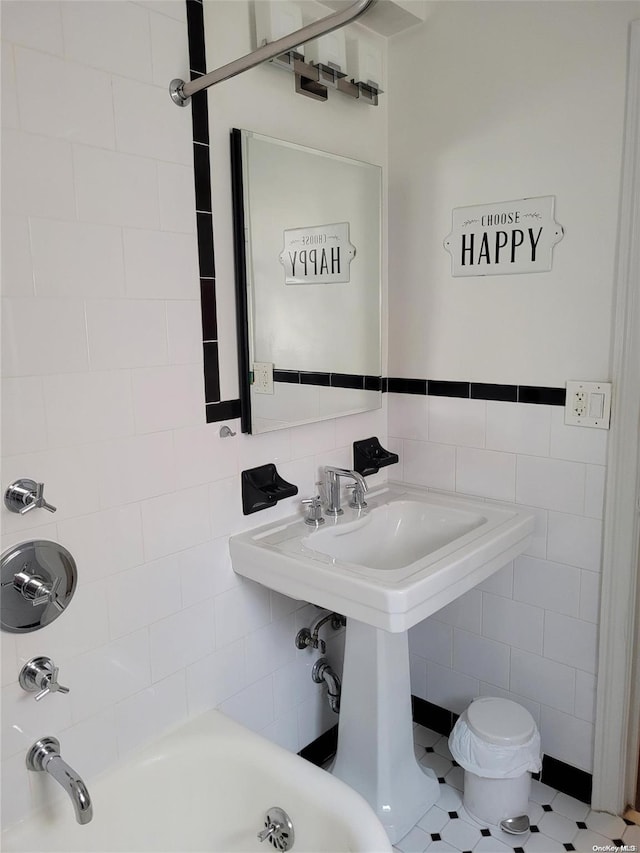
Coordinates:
(503, 238)
(320, 254)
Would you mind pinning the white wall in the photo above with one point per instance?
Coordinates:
(103, 399)
(511, 100)
(529, 633)
(507, 100)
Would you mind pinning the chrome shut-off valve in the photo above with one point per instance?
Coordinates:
(40, 676)
(22, 496)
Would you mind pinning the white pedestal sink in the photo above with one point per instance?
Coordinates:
(387, 568)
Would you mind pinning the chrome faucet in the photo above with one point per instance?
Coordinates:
(44, 756)
(333, 476)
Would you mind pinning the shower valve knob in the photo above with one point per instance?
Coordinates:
(22, 496)
(40, 676)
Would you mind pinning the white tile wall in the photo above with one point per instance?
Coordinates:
(103, 400)
(100, 269)
(540, 613)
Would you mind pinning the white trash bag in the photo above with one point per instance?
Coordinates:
(490, 760)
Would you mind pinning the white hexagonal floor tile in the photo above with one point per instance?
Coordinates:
(434, 820)
(557, 826)
(537, 842)
(461, 834)
(606, 824)
(586, 841)
(570, 807)
(415, 841)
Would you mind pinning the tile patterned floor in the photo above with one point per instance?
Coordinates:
(558, 823)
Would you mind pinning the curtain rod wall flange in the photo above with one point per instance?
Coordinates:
(182, 91)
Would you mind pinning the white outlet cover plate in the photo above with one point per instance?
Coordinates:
(588, 404)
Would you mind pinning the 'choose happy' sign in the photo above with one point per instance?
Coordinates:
(505, 237)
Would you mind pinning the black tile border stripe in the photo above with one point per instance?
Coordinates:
(195, 34)
(484, 391)
(226, 410)
(308, 377)
(215, 409)
(476, 390)
(290, 376)
(437, 388)
(334, 380)
(555, 773)
(211, 372)
(546, 396)
(405, 386)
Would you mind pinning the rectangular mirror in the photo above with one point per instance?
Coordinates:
(308, 282)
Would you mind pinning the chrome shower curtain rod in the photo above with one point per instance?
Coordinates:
(181, 91)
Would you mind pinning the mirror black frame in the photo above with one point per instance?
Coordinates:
(240, 263)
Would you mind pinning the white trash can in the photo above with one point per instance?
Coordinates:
(497, 743)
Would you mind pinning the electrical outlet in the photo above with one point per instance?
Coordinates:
(262, 377)
(579, 404)
(588, 404)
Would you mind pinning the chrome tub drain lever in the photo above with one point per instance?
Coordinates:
(278, 829)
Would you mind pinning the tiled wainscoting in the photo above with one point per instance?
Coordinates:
(530, 632)
(103, 400)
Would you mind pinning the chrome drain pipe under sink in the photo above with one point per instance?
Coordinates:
(322, 671)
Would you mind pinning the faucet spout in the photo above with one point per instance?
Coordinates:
(333, 486)
(73, 785)
(44, 756)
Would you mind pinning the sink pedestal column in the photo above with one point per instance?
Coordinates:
(375, 733)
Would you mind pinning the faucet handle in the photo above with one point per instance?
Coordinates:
(357, 500)
(53, 686)
(40, 674)
(25, 495)
(314, 511)
(35, 589)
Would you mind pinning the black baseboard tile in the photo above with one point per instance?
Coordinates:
(543, 396)
(432, 716)
(406, 386)
(226, 410)
(438, 388)
(567, 779)
(322, 748)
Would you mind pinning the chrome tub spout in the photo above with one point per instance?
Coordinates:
(44, 757)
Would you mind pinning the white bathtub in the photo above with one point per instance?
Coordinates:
(205, 786)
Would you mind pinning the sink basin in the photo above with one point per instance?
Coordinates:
(394, 535)
(409, 553)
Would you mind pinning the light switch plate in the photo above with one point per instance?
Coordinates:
(588, 404)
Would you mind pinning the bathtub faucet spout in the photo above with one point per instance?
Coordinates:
(44, 756)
